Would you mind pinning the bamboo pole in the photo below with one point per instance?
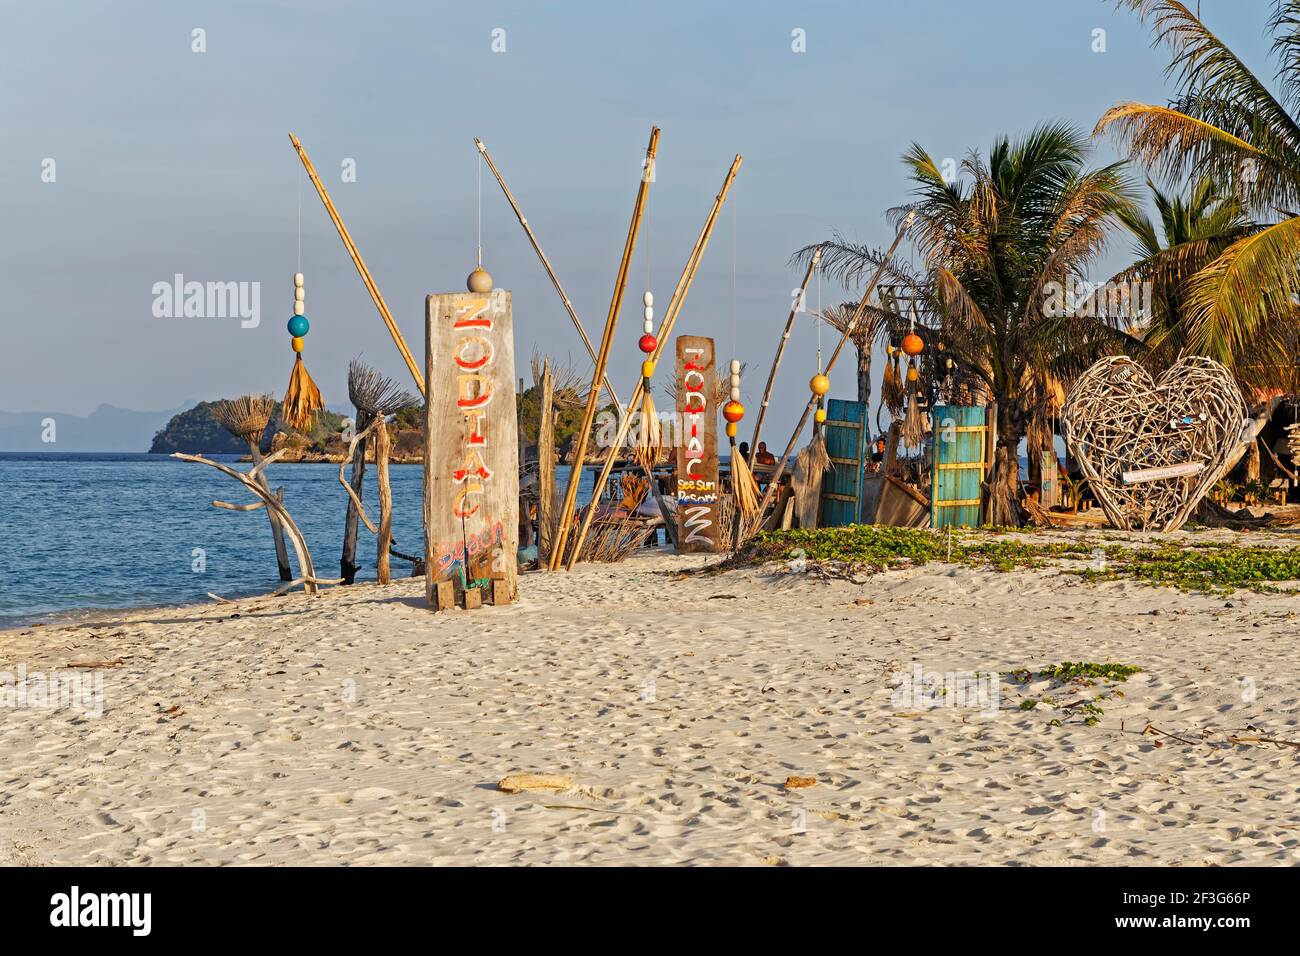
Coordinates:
(665, 330)
(839, 347)
(357, 261)
(602, 360)
(780, 351)
(546, 264)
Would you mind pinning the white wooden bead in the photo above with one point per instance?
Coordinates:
(297, 295)
(735, 393)
(297, 279)
(298, 309)
(648, 299)
(649, 314)
(735, 366)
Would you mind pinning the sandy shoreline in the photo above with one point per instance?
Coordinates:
(358, 728)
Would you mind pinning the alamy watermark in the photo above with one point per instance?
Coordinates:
(1102, 300)
(924, 690)
(73, 690)
(179, 299)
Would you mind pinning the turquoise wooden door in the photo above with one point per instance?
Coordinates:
(959, 448)
(846, 443)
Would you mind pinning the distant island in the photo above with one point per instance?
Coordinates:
(195, 432)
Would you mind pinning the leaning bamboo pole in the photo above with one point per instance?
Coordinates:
(661, 340)
(795, 309)
(849, 329)
(546, 264)
(357, 261)
(602, 360)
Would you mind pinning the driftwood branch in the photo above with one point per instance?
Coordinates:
(352, 446)
(275, 505)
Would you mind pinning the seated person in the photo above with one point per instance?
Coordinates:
(764, 458)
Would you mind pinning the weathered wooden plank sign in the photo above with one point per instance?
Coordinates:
(697, 446)
(1139, 475)
(471, 452)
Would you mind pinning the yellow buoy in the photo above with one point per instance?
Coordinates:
(820, 415)
(731, 429)
(820, 384)
(648, 370)
(297, 343)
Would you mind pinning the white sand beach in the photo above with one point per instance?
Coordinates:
(358, 728)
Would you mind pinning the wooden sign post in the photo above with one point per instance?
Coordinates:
(471, 452)
(697, 446)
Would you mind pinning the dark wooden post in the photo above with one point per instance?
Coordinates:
(697, 446)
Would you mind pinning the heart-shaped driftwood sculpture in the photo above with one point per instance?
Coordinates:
(1151, 449)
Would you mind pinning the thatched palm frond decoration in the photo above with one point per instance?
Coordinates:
(374, 394)
(244, 417)
(571, 386)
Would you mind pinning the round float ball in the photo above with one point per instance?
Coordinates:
(647, 344)
(820, 384)
(297, 343)
(299, 326)
(731, 429)
(820, 416)
(913, 344)
(479, 281)
(647, 369)
(733, 411)
(912, 374)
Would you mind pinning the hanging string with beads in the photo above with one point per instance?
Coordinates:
(301, 398)
(648, 443)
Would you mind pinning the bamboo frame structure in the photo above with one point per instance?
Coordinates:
(775, 481)
(780, 352)
(546, 263)
(249, 479)
(665, 330)
(602, 360)
(357, 261)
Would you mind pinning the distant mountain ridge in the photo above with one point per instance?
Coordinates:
(107, 429)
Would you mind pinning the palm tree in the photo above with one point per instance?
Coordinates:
(1225, 123)
(1193, 231)
(993, 243)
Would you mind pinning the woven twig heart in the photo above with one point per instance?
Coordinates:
(1152, 449)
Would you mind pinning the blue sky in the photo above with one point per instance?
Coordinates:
(173, 161)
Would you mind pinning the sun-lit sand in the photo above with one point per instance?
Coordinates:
(359, 728)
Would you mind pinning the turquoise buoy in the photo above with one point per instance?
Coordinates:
(298, 326)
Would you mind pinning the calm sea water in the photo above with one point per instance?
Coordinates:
(99, 531)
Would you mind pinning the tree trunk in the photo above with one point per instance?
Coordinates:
(348, 563)
(864, 373)
(385, 537)
(1004, 479)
